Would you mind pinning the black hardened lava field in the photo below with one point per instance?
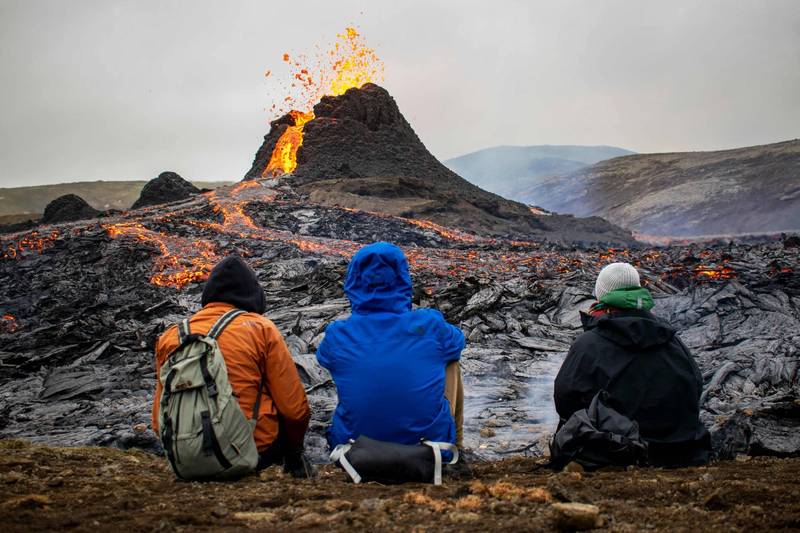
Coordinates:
(84, 302)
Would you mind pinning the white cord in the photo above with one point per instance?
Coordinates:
(338, 455)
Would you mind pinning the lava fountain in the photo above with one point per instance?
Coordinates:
(350, 63)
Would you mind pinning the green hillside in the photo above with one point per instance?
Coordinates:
(101, 195)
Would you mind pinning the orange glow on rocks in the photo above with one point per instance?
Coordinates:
(284, 156)
(181, 261)
(32, 242)
(452, 234)
(8, 324)
(713, 272)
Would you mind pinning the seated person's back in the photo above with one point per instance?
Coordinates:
(259, 367)
(387, 361)
(638, 358)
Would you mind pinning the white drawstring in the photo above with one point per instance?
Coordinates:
(338, 455)
(437, 454)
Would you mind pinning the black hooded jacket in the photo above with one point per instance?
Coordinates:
(651, 377)
(233, 281)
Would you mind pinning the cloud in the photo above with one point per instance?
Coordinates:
(124, 89)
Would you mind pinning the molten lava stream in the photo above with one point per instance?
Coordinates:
(182, 261)
(284, 156)
(713, 272)
(31, 242)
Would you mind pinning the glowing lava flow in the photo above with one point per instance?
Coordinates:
(713, 272)
(452, 234)
(181, 261)
(284, 156)
(184, 260)
(350, 63)
(8, 324)
(31, 242)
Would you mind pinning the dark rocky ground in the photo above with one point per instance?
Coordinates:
(91, 489)
(80, 317)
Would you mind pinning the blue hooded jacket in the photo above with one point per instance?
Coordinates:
(387, 361)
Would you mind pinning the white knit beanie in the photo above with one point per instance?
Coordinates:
(615, 276)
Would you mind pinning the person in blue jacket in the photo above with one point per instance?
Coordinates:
(389, 362)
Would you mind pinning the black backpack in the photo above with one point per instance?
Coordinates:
(366, 459)
(598, 436)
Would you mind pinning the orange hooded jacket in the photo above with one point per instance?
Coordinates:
(252, 347)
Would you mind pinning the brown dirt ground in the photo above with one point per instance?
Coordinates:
(47, 488)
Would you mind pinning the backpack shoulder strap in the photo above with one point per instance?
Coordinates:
(184, 330)
(223, 321)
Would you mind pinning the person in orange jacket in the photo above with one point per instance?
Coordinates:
(252, 347)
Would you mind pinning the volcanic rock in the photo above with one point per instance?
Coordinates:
(577, 516)
(360, 152)
(18, 226)
(791, 241)
(167, 187)
(68, 208)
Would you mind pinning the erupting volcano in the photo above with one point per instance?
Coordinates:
(350, 63)
(347, 144)
(82, 302)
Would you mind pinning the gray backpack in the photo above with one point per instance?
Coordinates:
(204, 432)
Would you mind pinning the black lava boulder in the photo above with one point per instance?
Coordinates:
(790, 241)
(68, 208)
(167, 187)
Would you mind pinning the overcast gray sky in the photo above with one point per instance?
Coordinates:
(105, 89)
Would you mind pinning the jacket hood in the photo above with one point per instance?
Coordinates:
(630, 328)
(378, 280)
(233, 281)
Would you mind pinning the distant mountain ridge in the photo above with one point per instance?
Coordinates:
(505, 170)
(101, 195)
(743, 190)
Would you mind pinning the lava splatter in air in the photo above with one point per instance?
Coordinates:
(349, 63)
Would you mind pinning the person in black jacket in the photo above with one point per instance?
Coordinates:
(640, 361)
